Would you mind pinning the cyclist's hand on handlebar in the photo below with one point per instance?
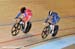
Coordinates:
(44, 23)
(17, 20)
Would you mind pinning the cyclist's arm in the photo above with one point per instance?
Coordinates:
(46, 20)
(18, 15)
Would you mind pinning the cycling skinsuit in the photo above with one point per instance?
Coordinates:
(55, 18)
(26, 16)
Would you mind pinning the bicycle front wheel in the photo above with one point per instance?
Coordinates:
(15, 29)
(45, 32)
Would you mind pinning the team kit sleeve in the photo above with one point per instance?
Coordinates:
(46, 20)
(18, 14)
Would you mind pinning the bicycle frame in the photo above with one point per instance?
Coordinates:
(49, 27)
(21, 24)
(48, 30)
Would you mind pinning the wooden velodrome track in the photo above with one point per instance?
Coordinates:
(40, 8)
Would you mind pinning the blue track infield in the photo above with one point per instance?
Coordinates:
(57, 43)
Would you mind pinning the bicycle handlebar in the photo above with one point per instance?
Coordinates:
(49, 23)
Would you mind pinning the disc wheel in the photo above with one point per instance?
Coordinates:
(55, 30)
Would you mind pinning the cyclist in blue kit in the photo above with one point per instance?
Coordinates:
(54, 19)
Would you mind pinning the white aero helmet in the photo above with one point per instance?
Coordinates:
(50, 12)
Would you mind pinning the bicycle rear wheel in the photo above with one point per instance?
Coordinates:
(45, 32)
(55, 30)
(15, 29)
(29, 25)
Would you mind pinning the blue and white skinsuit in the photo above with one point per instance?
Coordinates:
(55, 18)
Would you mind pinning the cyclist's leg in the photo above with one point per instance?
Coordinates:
(25, 26)
(25, 23)
(53, 22)
(26, 19)
(52, 28)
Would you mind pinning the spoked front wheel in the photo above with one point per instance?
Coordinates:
(45, 32)
(15, 29)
